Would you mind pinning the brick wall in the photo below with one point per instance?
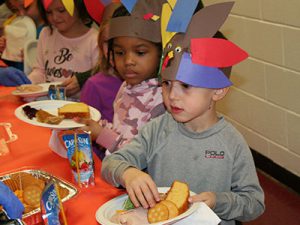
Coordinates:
(264, 103)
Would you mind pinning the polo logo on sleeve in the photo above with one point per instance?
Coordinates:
(214, 154)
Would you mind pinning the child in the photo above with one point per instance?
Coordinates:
(190, 142)
(19, 9)
(136, 51)
(30, 9)
(100, 90)
(66, 46)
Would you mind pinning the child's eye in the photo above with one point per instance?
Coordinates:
(61, 10)
(118, 52)
(141, 53)
(166, 83)
(185, 86)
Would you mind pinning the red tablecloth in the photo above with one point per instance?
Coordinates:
(31, 151)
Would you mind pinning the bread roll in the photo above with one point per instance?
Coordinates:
(179, 194)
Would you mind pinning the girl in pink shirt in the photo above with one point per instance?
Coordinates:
(66, 46)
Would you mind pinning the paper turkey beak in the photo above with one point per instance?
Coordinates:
(167, 59)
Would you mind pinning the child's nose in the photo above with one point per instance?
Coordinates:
(54, 16)
(129, 59)
(173, 91)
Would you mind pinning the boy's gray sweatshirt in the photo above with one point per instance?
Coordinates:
(215, 160)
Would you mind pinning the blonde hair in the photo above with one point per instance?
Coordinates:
(103, 65)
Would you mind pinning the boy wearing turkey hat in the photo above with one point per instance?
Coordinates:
(190, 142)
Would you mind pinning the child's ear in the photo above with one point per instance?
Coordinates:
(220, 93)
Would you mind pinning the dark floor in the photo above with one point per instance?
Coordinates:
(282, 204)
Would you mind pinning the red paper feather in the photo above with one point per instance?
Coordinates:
(216, 52)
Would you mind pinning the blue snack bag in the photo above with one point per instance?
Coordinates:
(51, 206)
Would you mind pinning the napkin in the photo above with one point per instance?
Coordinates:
(56, 146)
(202, 216)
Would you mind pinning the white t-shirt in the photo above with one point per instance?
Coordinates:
(59, 58)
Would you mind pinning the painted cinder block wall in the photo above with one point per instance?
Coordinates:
(264, 103)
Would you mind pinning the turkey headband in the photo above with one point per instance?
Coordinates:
(193, 56)
(95, 8)
(143, 21)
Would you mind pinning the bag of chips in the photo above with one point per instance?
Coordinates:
(51, 206)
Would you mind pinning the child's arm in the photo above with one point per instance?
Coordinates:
(101, 133)
(109, 139)
(245, 201)
(91, 126)
(38, 74)
(124, 167)
(140, 187)
(83, 77)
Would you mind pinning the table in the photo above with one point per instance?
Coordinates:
(31, 151)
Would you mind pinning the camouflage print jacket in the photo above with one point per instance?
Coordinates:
(134, 106)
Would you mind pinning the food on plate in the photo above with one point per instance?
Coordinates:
(136, 216)
(41, 115)
(45, 117)
(172, 208)
(29, 111)
(28, 189)
(172, 204)
(67, 111)
(72, 110)
(179, 195)
(159, 212)
(26, 88)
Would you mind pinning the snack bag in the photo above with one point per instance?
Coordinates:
(51, 206)
(56, 92)
(79, 152)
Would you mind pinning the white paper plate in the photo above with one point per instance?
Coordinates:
(107, 210)
(35, 94)
(51, 106)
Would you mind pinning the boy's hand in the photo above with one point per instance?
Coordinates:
(140, 187)
(90, 125)
(209, 198)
